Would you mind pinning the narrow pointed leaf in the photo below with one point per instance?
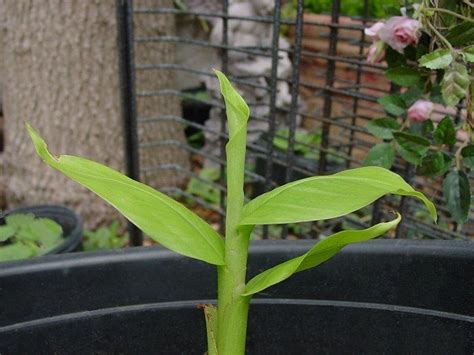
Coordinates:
(324, 197)
(162, 218)
(321, 252)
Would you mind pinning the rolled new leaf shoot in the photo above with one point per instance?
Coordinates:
(159, 216)
(325, 197)
(321, 252)
(237, 116)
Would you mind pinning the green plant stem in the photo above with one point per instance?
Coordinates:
(232, 307)
(466, 2)
(449, 12)
(440, 36)
(457, 155)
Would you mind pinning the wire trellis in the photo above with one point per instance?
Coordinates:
(332, 94)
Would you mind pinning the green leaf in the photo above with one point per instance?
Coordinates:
(302, 141)
(106, 237)
(454, 84)
(380, 155)
(393, 104)
(422, 48)
(237, 116)
(393, 58)
(411, 95)
(435, 95)
(467, 154)
(446, 18)
(458, 195)
(445, 133)
(202, 186)
(471, 89)
(16, 251)
(404, 76)
(421, 128)
(434, 164)
(383, 127)
(439, 59)
(165, 220)
(6, 232)
(411, 147)
(47, 232)
(468, 54)
(19, 220)
(321, 252)
(324, 197)
(461, 34)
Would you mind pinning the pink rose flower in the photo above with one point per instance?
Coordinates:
(373, 30)
(400, 32)
(376, 53)
(462, 135)
(420, 111)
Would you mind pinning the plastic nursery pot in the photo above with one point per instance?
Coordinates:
(70, 222)
(381, 297)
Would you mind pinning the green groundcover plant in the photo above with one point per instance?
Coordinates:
(24, 236)
(105, 237)
(177, 228)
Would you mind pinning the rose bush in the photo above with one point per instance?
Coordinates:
(428, 52)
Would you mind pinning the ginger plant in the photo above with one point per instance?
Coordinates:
(178, 229)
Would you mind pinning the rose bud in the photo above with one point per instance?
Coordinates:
(376, 53)
(420, 111)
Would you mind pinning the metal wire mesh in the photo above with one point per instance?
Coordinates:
(332, 95)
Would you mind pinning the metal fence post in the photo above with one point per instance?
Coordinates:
(331, 69)
(128, 100)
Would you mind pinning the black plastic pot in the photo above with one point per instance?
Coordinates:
(70, 222)
(382, 297)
